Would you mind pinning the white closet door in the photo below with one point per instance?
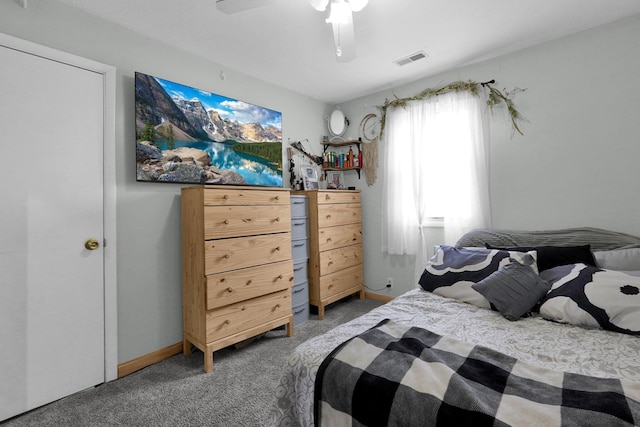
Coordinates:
(51, 203)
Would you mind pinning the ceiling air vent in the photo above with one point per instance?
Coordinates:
(411, 58)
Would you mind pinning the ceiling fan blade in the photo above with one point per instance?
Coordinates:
(235, 6)
(344, 39)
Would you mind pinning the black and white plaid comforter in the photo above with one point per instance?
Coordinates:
(398, 375)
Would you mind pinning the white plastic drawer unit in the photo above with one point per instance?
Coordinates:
(300, 272)
(299, 249)
(300, 294)
(298, 206)
(298, 228)
(301, 313)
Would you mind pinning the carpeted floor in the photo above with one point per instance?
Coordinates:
(177, 392)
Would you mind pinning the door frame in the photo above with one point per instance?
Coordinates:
(109, 195)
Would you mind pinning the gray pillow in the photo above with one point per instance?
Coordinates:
(513, 289)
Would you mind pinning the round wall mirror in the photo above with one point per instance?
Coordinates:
(337, 123)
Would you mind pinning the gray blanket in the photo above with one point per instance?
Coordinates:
(599, 239)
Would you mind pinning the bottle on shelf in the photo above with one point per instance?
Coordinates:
(350, 158)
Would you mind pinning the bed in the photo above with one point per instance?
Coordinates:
(565, 359)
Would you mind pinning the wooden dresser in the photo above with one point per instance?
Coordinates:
(237, 271)
(335, 246)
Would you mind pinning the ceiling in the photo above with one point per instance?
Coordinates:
(289, 44)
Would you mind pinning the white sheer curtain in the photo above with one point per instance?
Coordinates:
(435, 165)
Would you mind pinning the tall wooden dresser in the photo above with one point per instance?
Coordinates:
(335, 246)
(237, 271)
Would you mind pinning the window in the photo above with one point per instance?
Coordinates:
(435, 165)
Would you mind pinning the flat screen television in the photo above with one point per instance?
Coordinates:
(191, 136)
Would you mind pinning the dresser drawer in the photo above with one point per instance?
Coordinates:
(233, 221)
(336, 237)
(340, 281)
(331, 215)
(244, 315)
(242, 252)
(338, 197)
(234, 196)
(239, 285)
(339, 259)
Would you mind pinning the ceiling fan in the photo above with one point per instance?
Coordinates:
(340, 18)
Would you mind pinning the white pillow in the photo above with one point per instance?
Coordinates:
(590, 296)
(618, 259)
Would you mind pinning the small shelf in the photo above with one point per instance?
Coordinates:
(342, 144)
(338, 144)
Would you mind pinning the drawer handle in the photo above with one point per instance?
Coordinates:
(276, 249)
(230, 289)
(330, 262)
(277, 307)
(277, 197)
(225, 222)
(227, 322)
(227, 256)
(246, 220)
(249, 282)
(299, 311)
(328, 216)
(297, 245)
(298, 269)
(291, 278)
(330, 286)
(297, 203)
(299, 290)
(298, 223)
(329, 239)
(226, 197)
(280, 277)
(327, 197)
(277, 219)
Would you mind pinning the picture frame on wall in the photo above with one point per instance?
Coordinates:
(335, 180)
(309, 177)
(187, 135)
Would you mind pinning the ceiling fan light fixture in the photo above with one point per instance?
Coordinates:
(357, 5)
(319, 5)
(339, 13)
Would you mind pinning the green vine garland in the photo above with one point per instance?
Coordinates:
(495, 97)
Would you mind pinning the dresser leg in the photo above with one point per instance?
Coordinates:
(186, 346)
(361, 294)
(321, 311)
(290, 327)
(208, 361)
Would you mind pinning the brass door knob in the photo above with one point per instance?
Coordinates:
(92, 244)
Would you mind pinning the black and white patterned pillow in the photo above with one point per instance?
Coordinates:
(590, 296)
(452, 271)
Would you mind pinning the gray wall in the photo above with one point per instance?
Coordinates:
(148, 214)
(577, 163)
